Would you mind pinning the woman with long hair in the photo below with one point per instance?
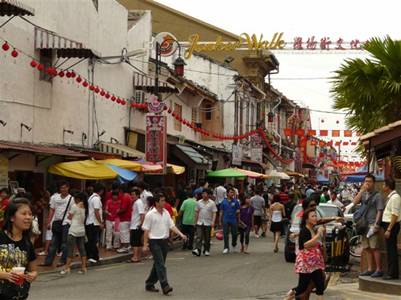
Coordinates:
(246, 222)
(17, 255)
(76, 233)
(277, 213)
(309, 263)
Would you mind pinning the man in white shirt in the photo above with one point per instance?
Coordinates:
(94, 223)
(156, 227)
(142, 186)
(391, 224)
(57, 221)
(136, 232)
(219, 194)
(335, 201)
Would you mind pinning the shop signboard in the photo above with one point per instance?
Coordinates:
(257, 153)
(156, 139)
(3, 171)
(237, 155)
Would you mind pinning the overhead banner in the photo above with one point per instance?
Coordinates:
(156, 139)
(237, 155)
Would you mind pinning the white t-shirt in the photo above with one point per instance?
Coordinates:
(336, 202)
(59, 204)
(158, 224)
(137, 210)
(220, 193)
(77, 227)
(144, 197)
(94, 202)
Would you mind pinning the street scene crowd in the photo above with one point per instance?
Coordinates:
(136, 216)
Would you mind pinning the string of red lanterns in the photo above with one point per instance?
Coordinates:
(79, 79)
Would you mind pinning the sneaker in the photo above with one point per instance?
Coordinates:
(42, 253)
(196, 252)
(65, 272)
(207, 253)
(123, 250)
(257, 236)
(225, 251)
(167, 290)
(377, 274)
(366, 273)
(93, 261)
(234, 249)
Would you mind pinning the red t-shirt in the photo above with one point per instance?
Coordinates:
(169, 208)
(112, 207)
(283, 197)
(126, 203)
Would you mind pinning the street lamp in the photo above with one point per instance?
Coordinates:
(179, 63)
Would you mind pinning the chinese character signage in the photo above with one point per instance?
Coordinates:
(237, 155)
(257, 153)
(156, 139)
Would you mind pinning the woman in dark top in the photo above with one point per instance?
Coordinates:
(309, 263)
(17, 255)
(246, 222)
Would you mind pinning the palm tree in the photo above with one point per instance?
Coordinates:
(369, 90)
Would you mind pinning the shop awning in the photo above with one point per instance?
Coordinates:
(276, 174)
(147, 84)
(227, 173)
(193, 155)
(41, 149)
(67, 48)
(15, 8)
(120, 149)
(295, 174)
(251, 174)
(91, 170)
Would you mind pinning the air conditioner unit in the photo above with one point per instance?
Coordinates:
(140, 97)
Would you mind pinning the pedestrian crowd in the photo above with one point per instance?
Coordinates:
(126, 216)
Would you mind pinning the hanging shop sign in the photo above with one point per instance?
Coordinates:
(156, 139)
(167, 43)
(257, 153)
(3, 171)
(246, 41)
(237, 155)
(154, 105)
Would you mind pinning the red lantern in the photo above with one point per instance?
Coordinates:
(118, 100)
(73, 74)
(14, 53)
(68, 74)
(85, 84)
(50, 71)
(40, 67)
(61, 74)
(79, 79)
(92, 87)
(34, 63)
(97, 90)
(107, 95)
(123, 102)
(5, 46)
(113, 98)
(102, 93)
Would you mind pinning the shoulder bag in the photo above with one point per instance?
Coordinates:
(57, 226)
(361, 223)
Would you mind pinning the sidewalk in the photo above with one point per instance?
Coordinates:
(106, 257)
(350, 291)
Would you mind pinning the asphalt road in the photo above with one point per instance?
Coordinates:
(260, 275)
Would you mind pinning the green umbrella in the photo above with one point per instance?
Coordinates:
(230, 172)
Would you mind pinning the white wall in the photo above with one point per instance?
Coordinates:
(50, 107)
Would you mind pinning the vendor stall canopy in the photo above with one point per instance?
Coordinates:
(235, 173)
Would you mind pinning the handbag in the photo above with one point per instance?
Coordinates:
(242, 225)
(359, 217)
(57, 226)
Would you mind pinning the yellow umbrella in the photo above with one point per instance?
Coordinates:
(83, 169)
(125, 164)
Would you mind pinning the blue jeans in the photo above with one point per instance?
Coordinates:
(59, 241)
(159, 249)
(227, 227)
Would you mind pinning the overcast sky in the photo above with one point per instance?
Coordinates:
(346, 19)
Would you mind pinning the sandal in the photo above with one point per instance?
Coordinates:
(65, 272)
(82, 272)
